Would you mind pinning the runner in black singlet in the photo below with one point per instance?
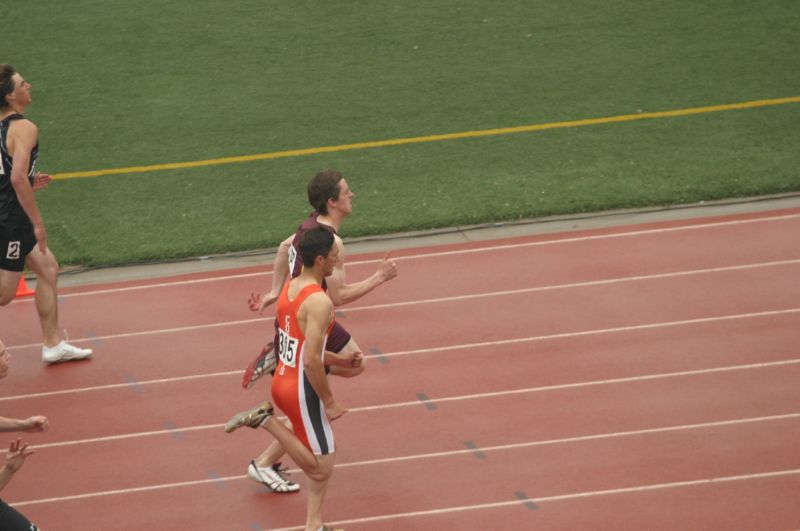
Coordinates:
(23, 238)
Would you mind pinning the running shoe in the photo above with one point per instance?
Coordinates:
(265, 362)
(272, 477)
(252, 418)
(64, 352)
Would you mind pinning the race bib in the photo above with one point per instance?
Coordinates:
(287, 348)
(13, 251)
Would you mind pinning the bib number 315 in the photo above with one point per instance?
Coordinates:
(288, 349)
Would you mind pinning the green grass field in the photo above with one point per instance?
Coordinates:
(119, 84)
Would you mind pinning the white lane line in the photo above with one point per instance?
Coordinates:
(562, 497)
(162, 285)
(528, 444)
(492, 394)
(503, 293)
(178, 329)
(445, 348)
(588, 283)
(611, 381)
(126, 385)
(564, 335)
(568, 440)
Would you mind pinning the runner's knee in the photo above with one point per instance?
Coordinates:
(322, 472)
(44, 265)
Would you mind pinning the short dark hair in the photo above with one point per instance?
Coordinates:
(323, 186)
(315, 242)
(6, 83)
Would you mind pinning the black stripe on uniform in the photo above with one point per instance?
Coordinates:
(315, 415)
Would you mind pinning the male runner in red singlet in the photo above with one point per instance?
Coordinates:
(299, 386)
(332, 199)
(23, 239)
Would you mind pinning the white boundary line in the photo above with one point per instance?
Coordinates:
(529, 444)
(600, 331)
(562, 497)
(529, 339)
(492, 394)
(438, 254)
(502, 293)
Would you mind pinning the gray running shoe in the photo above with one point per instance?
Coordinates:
(252, 418)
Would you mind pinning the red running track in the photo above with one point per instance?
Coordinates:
(624, 378)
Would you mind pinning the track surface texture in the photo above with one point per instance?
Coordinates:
(630, 377)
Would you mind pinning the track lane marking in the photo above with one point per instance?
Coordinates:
(396, 459)
(445, 348)
(459, 398)
(501, 293)
(421, 256)
(562, 497)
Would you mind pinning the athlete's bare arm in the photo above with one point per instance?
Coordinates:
(31, 424)
(341, 292)
(280, 272)
(22, 135)
(314, 316)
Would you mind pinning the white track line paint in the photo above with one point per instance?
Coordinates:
(162, 285)
(126, 385)
(594, 332)
(503, 293)
(562, 497)
(528, 444)
(493, 394)
(589, 283)
(445, 348)
(154, 332)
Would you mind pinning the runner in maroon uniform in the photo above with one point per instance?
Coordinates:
(300, 387)
(332, 199)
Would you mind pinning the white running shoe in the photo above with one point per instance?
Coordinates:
(64, 352)
(272, 477)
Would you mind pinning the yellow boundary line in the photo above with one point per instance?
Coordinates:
(432, 138)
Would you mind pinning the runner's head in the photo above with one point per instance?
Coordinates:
(329, 185)
(318, 243)
(15, 92)
(7, 84)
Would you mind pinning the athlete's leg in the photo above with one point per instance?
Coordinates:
(46, 268)
(314, 467)
(9, 280)
(271, 455)
(273, 452)
(316, 495)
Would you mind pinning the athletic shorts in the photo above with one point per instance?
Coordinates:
(12, 520)
(15, 245)
(297, 398)
(337, 339)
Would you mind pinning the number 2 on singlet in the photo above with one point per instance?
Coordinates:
(288, 349)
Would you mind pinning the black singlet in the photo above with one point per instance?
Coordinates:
(11, 212)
